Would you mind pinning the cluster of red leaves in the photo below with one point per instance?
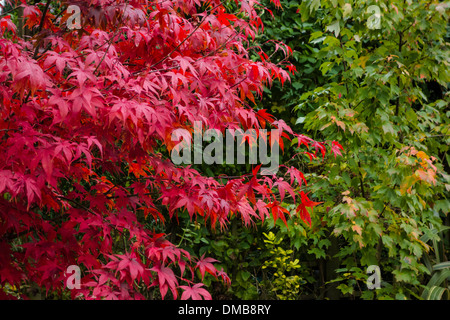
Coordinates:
(83, 114)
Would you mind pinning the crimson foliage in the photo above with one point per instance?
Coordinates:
(86, 115)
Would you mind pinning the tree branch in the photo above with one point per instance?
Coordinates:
(41, 25)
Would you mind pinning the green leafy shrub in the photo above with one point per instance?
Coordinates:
(285, 281)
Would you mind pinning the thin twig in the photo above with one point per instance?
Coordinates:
(41, 25)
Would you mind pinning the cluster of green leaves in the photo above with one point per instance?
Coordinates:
(381, 89)
(236, 250)
(286, 277)
(437, 287)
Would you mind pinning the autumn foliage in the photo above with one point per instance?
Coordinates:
(85, 125)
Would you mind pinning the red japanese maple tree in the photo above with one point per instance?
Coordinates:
(85, 115)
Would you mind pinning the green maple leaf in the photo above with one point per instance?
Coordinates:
(334, 27)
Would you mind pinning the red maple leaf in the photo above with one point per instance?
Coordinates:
(196, 292)
(278, 212)
(166, 280)
(305, 203)
(205, 265)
